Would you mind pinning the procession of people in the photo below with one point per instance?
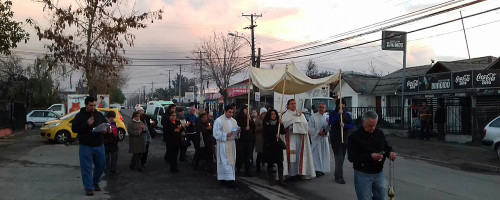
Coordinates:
(299, 148)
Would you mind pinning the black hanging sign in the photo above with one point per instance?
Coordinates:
(462, 80)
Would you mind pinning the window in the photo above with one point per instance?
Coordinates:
(50, 114)
(56, 108)
(307, 104)
(37, 114)
(157, 109)
(348, 101)
(495, 123)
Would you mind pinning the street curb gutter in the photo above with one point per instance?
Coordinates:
(472, 166)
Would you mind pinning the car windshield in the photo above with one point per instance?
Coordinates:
(330, 103)
(70, 115)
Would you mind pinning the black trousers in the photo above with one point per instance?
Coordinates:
(173, 153)
(195, 138)
(258, 161)
(111, 160)
(270, 166)
(425, 129)
(144, 156)
(440, 128)
(243, 154)
(339, 150)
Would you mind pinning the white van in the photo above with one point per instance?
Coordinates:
(59, 109)
(155, 109)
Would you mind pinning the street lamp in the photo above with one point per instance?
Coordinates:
(249, 43)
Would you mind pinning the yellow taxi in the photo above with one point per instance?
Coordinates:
(60, 130)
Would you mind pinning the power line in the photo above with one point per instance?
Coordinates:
(368, 42)
(378, 24)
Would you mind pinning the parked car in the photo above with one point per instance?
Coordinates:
(491, 135)
(60, 130)
(122, 108)
(37, 118)
(115, 105)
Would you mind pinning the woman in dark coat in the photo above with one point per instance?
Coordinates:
(243, 144)
(173, 139)
(273, 153)
(207, 152)
(137, 146)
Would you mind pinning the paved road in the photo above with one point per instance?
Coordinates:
(414, 180)
(31, 168)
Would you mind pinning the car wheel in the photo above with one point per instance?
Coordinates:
(62, 137)
(497, 149)
(31, 125)
(121, 134)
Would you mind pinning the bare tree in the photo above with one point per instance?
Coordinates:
(221, 59)
(312, 69)
(92, 35)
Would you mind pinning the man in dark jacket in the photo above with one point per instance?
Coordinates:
(339, 146)
(91, 150)
(191, 134)
(440, 119)
(367, 151)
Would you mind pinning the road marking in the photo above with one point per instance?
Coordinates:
(260, 186)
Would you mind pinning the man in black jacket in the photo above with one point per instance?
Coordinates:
(367, 151)
(91, 150)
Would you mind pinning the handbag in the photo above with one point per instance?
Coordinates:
(281, 144)
(184, 141)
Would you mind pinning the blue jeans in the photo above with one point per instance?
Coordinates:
(370, 186)
(90, 156)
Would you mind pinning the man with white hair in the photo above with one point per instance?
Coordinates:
(367, 150)
(318, 129)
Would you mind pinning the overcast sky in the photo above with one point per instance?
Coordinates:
(287, 23)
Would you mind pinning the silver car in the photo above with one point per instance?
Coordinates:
(491, 137)
(37, 118)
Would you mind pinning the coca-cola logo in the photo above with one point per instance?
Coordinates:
(486, 79)
(462, 80)
(412, 84)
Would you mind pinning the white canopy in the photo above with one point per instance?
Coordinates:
(296, 81)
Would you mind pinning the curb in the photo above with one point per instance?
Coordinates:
(469, 166)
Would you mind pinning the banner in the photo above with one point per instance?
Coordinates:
(412, 84)
(486, 78)
(234, 92)
(462, 80)
(440, 81)
(103, 100)
(257, 96)
(393, 40)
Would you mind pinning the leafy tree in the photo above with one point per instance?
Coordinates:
(40, 89)
(117, 96)
(187, 85)
(221, 59)
(92, 36)
(324, 73)
(12, 79)
(11, 32)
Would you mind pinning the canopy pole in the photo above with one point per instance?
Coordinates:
(248, 105)
(340, 105)
(281, 107)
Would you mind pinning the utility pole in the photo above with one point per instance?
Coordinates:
(251, 27)
(152, 86)
(144, 92)
(201, 75)
(169, 82)
(180, 81)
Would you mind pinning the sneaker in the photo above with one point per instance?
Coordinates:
(97, 188)
(89, 192)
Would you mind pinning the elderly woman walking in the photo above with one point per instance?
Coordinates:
(137, 146)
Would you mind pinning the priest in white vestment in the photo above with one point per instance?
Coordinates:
(298, 155)
(318, 129)
(225, 132)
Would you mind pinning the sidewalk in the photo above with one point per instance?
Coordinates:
(474, 158)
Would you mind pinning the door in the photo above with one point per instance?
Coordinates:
(378, 105)
(37, 117)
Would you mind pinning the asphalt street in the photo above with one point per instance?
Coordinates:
(32, 168)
